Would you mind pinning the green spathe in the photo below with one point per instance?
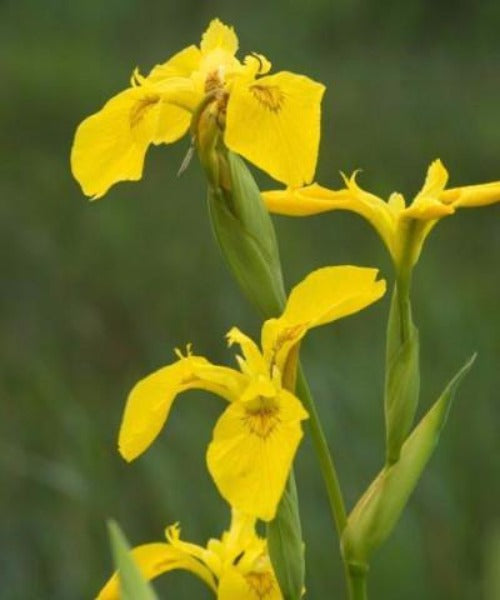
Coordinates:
(132, 584)
(402, 375)
(376, 513)
(246, 236)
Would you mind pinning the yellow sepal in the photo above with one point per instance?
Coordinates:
(252, 451)
(274, 122)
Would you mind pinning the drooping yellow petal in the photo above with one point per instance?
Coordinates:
(274, 122)
(252, 450)
(472, 195)
(154, 560)
(258, 585)
(149, 402)
(110, 145)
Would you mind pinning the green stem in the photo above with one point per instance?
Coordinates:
(325, 459)
(357, 586)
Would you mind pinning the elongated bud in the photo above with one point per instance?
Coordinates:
(376, 513)
(402, 375)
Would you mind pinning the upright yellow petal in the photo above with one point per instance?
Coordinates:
(427, 205)
(252, 451)
(154, 560)
(435, 180)
(472, 195)
(274, 122)
(149, 402)
(219, 36)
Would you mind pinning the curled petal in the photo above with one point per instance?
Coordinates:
(151, 399)
(154, 560)
(325, 295)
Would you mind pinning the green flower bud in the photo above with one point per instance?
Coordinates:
(246, 236)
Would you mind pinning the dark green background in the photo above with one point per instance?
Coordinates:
(94, 296)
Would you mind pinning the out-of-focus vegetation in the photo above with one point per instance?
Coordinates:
(93, 296)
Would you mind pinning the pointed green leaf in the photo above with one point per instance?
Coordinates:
(132, 584)
(376, 513)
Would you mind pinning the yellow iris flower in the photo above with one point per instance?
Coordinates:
(255, 439)
(393, 218)
(236, 566)
(272, 120)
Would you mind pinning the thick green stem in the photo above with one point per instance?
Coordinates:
(357, 586)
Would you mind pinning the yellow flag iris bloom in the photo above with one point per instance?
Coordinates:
(393, 218)
(272, 120)
(255, 439)
(235, 567)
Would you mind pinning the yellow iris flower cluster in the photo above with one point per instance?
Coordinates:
(271, 120)
(254, 441)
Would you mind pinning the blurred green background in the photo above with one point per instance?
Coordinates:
(94, 296)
